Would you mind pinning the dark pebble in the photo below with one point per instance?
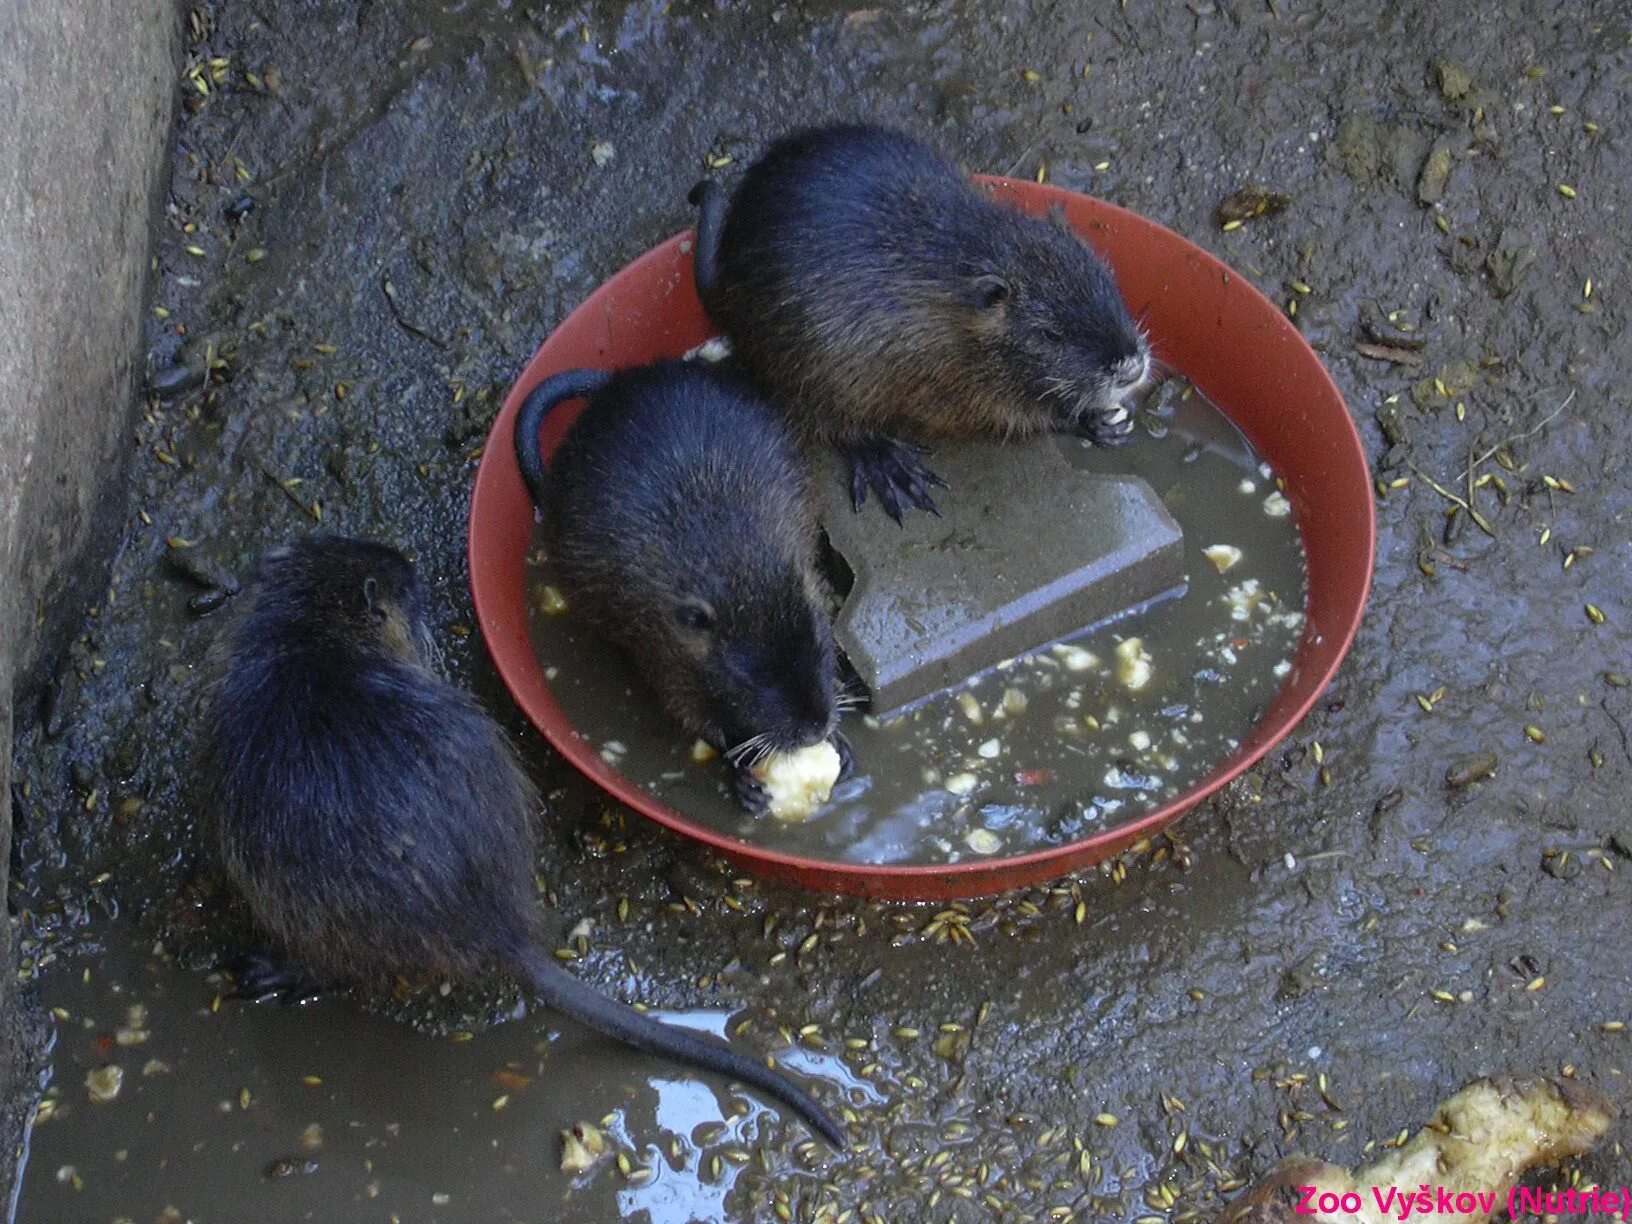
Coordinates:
(1474, 767)
(209, 601)
(1389, 801)
(82, 777)
(126, 758)
(175, 381)
(56, 704)
(1616, 680)
(239, 208)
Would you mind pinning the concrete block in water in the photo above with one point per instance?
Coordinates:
(1028, 550)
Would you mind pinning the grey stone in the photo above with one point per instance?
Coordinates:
(1029, 550)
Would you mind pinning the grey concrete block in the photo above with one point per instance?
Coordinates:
(87, 89)
(1028, 550)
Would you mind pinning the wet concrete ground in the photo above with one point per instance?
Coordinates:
(433, 189)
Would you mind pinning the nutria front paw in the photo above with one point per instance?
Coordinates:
(1108, 426)
(894, 471)
(847, 755)
(750, 791)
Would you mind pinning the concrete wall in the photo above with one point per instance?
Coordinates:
(87, 89)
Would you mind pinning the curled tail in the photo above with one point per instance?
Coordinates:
(709, 197)
(566, 994)
(569, 384)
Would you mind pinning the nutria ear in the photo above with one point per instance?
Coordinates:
(371, 593)
(987, 290)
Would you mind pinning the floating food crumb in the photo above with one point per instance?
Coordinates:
(1224, 557)
(581, 1147)
(961, 784)
(104, 1083)
(1076, 658)
(701, 752)
(983, 841)
(551, 602)
(1133, 664)
(1276, 505)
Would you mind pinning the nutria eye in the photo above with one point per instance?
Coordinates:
(698, 617)
(1053, 334)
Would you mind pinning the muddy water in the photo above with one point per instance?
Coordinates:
(225, 1110)
(1052, 746)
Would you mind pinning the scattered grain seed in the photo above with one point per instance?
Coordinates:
(1565, 190)
(1595, 614)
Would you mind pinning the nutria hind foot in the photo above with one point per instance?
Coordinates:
(1111, 425)
(257, 976)
(895, 471)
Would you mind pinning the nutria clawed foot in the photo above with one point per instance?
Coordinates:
(847, 755)
(750, 791)
(256, 976)
(894, 471)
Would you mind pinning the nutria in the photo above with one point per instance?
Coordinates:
(678, 521)
(868, 285)
(374, 817)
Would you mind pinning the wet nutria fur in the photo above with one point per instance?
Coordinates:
(678, 521)
(373, 816)
(870, 287)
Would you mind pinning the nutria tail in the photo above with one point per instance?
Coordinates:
(709, 199)
(569, 384)
(566, 994)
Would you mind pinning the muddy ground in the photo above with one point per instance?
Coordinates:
(377, 213)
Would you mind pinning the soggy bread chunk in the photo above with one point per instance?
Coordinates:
(798, 783)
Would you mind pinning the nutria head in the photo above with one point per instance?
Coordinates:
(741, 653)
(344, 593)
(1049, 315)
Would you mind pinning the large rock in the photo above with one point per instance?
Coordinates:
(87, 91)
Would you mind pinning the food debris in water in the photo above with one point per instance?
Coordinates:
(1133, 664)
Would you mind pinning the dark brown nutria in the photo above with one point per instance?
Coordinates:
(374, 817)
(873, 290)
(678, 522)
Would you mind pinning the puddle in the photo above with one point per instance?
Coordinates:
(230, 1110)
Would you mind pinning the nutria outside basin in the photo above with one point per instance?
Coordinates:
(1203, 319)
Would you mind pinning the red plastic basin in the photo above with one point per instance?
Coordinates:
(1204, 319)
